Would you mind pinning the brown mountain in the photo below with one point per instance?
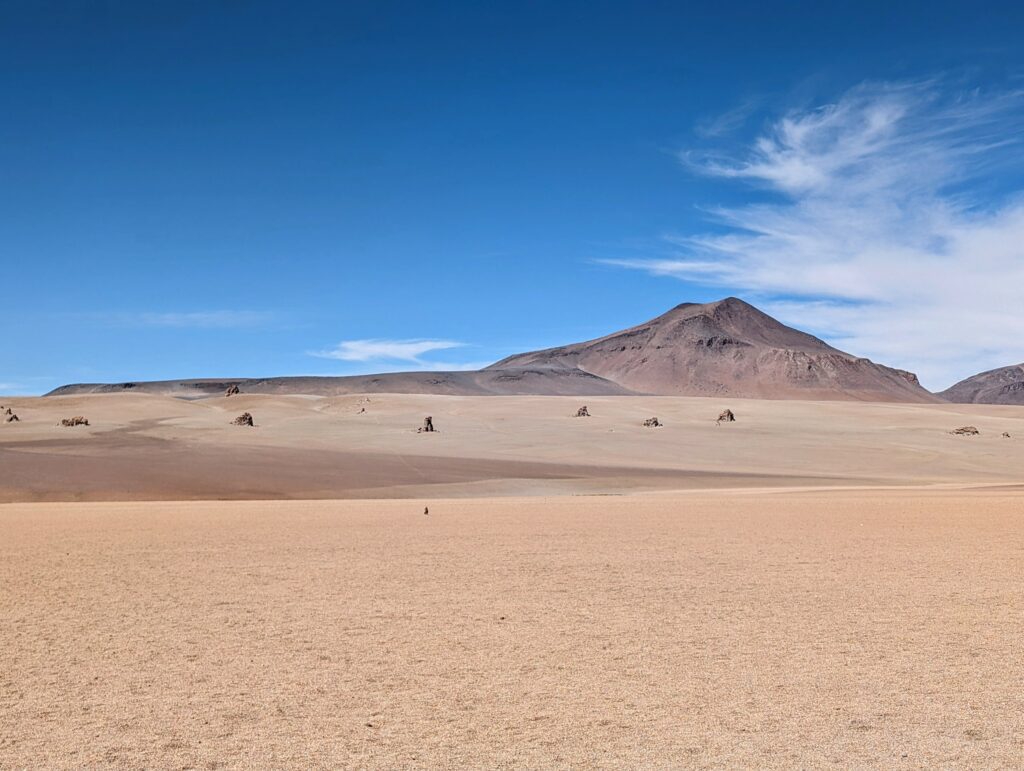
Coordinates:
(725, 348)
(997, 386)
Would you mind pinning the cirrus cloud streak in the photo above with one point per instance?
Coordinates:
(385, 350)
(894, 225)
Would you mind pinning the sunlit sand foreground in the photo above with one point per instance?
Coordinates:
(703, 629)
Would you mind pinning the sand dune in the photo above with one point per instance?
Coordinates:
(141, 446)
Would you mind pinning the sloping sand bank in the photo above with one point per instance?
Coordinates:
(144, 447)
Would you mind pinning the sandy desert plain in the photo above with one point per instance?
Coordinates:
(817, 584)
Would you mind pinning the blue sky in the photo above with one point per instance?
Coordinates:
(195, 189)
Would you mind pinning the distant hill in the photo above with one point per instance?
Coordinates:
(725, 348)
(729, 348)
(527, 381)
(997, 386)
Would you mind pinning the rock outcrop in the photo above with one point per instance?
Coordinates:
(653, 423)
(726, 416)
(78, 420)
(245, 419)
(965, 431)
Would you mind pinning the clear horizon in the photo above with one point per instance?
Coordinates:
(217, 190)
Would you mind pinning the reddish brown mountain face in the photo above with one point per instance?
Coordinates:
(725, 348)
(997, 386)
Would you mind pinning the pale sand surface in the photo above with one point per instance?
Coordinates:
(141, 447)
(728, 629)
(817, 584)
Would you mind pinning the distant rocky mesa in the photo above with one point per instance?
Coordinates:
(725, 348)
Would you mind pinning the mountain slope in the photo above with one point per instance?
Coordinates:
(525, 381)
(727, 348)
(996, 386)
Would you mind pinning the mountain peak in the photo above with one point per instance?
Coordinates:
(1004, 385)
(726, 347)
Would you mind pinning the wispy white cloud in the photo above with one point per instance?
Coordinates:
(896, 226)
(211, 319)
(728, 121)
(207, 319)
(385, 350)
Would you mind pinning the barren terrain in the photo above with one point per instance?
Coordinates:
(817, 584)
(665, 630)
(150, 447)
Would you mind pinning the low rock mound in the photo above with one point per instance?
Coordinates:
(653, 423)
(245, 419)
(583, 412)
(427, 427)
(233, 390)
(78, 420)
(726, 417)
(965, 431)
(12, 418)
(1006, 434)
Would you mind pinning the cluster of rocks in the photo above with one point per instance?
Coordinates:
(973, 431)
(583, 412)
(233, 390)
(965, 431)
(427, 427)
(245, 419)
(8, 414)
(78, 420)
(726, 417)
(653, 423)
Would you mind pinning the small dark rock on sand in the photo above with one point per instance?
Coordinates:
(726, 417)
(427, 427)
(12, 418)
(653, 423)
(78, 420)
(583, 412)
(245, 419)
(965, 431)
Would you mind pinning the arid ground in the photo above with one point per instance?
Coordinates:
(817, 584)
